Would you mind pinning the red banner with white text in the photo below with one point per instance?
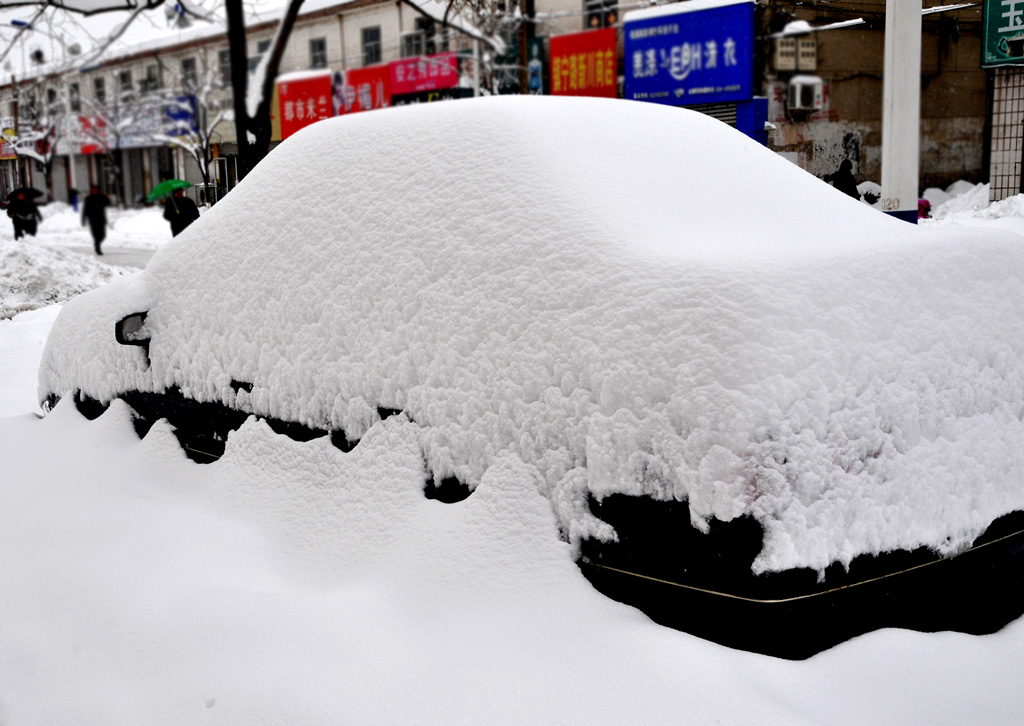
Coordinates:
(303, 100)
(424, 73)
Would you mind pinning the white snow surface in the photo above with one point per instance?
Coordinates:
(292, 583)
(681, 314)
(35, 275)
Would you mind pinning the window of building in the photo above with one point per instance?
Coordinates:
(422, 41)
(51, 99)
(99, 91)
(151, 81)
(224, 66)
(318, 53)
(261, 47)
(412, 44)
(189, 75)
(75, 97)
(371, 45)
(124, 84)
(601, 13)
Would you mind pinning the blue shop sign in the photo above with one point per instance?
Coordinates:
(180, 116)
(700, 56)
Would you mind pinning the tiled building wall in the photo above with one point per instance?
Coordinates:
(1007, 133)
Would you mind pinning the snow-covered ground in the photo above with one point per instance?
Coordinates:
(291, 583)
(59, 262)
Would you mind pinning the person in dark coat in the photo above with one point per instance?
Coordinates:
(180, 211)
(843, 179)
(94, 212)
(25, 215)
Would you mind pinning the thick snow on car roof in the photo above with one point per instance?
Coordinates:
(631, 298)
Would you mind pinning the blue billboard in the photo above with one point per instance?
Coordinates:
(690, 57)
(180, 116)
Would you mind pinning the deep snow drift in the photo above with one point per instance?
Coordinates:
(731, 331)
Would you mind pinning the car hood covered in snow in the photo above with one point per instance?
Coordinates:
(631, 298)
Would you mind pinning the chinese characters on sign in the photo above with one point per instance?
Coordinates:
(303, 101)
(1003, 33)
(583, 64)
(424, 73)
(701, 56)
(362, 89)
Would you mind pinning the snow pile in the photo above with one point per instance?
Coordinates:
(34, 275)
(133, 228)
(961, 198)
(59, 218)
(968, 206)
(681, 314)
(21, 346)
(145, 228)
(292, 583)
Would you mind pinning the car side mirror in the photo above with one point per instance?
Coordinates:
(131, 330)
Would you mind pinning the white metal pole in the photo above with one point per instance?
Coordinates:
(901, 108)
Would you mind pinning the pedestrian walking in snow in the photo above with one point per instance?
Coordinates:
(94, 212)
(180, 211)
(843, 179)
(25, 215)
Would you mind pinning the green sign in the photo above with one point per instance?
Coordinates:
(1002, 40)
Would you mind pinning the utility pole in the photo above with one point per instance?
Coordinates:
(901, 108)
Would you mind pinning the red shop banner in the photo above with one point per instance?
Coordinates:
(424, 73)
(303, 100)
(362, 89)
(584, 64)
(92, 132)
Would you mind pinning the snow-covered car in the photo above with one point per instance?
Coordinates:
(762, 412)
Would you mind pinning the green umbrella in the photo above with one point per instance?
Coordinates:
(166, 187)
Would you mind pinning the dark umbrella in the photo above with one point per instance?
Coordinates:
(166, 187)
(29, 192)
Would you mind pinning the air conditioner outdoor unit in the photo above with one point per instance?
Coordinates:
(806, 93)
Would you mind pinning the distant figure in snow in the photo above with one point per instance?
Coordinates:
(94, 211)
(25, 215)
(843, 179)
(180, 211)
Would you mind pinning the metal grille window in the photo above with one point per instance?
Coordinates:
(151, 82)
(318, 53)
(224, 67)
(124, 84)
(371, 45)
(412, 44)
(99, 90)
(261, 47)
(601, 13)
(189, 75)
(1005, 178)
(420, 42)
